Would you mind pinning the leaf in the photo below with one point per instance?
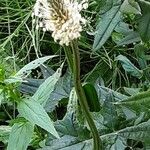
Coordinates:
(131, 37)
(91, 97)
(106, 26)
(123, 28)
(46, 71)
(26, 70)
(108, 111)
(140, 51)
(4, 133)
(72, 135)
(144, 27)
(138, 132)
(104, 91)
(46, 88)
(129, 67)
(132, 91)
(120, 144)
(35, 113)
(101, 69)
(130, 6)
(69, 143)
(20, 136)
(1, 96)
(145, 6)
(13, 79)
(30, 86)
(104, 6)
(62, 90)
(136, 102)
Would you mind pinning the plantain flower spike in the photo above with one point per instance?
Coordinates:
(61, 17)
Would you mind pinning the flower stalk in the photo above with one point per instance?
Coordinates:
(68, 54)
(97, 143)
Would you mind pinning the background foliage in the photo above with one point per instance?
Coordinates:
(38, 103)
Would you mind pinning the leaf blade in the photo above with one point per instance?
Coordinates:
(20, 136)
(46, 88)
(35, 113)
(106, 26)
(26, 70)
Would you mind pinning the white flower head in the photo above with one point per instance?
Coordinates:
(61, 17)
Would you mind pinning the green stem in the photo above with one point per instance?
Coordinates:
(97, 144)
(68, 54)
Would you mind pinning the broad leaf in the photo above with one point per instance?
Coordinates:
(138, 132)
(140, 51)
(102, 70)
(145, 6)
(123, 28)
(20, 136)
(132, 91)
(46, 88)
(103, 93)
(69, 143)
(131, 37)
(30, 85)
(1, 96)
(35, 113)
(62, 90)
(26, 70)
(130, 6)
(136, 102)
(4, 133)
(144, 27)
(106, 26)
(72, 135)
(129, 67)
(46, 71)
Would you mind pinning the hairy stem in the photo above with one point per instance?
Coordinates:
(97, 144)
(68, 54)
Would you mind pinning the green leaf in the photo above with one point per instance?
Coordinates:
(131, 37)
(62, 90)
(13, 79)
(20, 136)
(123, 28)
(129, 67)
(136, 102)
(120, 144)
(144, 27)
(138, 132)
(73, 136)
(106, 26)
(46, 88)
(130, 6)
(69, 143)
(145, 6)
(35, 113)
(132, 91)
(1, 96)
(103, 92)
(104, 6)
(26, 70)
(30, 85)
(101, 69)
(92, 97)
(140, 51)
(4, 133)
